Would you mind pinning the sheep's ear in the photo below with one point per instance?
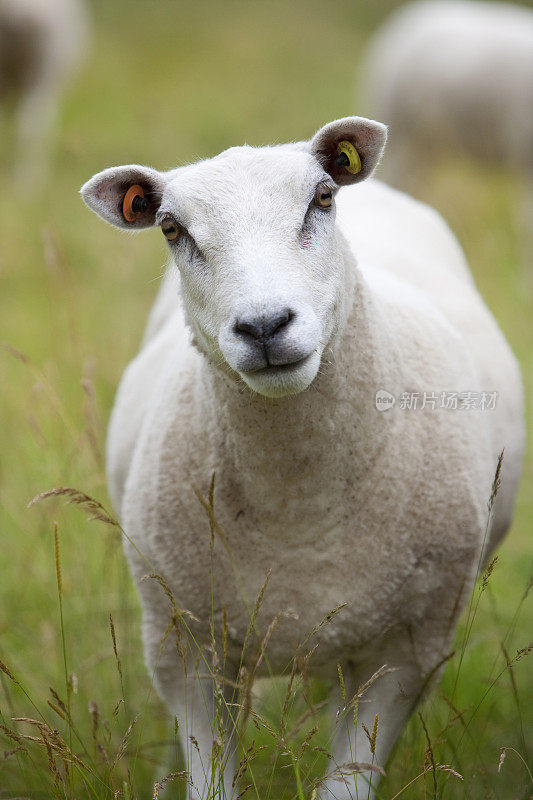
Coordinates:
(350, 148)
(112, 195)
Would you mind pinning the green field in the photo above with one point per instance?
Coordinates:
(166, 83)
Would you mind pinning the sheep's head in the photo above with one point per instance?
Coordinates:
(253, 234)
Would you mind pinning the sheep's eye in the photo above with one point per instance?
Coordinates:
(170, 228)
(323, 196)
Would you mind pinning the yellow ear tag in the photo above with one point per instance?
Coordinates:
(354, 162)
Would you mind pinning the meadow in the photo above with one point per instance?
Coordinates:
(166, 83)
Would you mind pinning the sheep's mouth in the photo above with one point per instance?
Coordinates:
(281, 369)
(283, 379)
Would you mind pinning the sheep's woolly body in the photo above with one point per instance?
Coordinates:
(382, 510)
(455, 74)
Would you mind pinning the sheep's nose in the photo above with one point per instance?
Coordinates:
(263, 327)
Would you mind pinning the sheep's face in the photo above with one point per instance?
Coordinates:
(253, 235)
(261, 271)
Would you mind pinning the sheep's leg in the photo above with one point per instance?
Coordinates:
(392, 697)
(351, 743)
(195, 696)
(206, 737)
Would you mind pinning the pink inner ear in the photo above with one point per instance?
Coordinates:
(336, 163)
(106, 191)
(367, 136)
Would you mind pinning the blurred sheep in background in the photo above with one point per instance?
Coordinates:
(41, 42)
(453, 77)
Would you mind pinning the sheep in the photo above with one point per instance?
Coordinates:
(454, 76)
(285, 317)
(41, 41)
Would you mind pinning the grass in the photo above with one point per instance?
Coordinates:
(167, 83)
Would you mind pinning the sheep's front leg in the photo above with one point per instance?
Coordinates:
(199, 700)
(205, 730)
(392, 697)
(351, 743)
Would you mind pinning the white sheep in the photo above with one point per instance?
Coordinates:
(453, 76)
(41, 41)
(267, 374)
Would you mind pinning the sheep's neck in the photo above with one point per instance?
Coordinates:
(304, 449)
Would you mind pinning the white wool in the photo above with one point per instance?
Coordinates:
(41, 42)
(454, 75)
(382, 510)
